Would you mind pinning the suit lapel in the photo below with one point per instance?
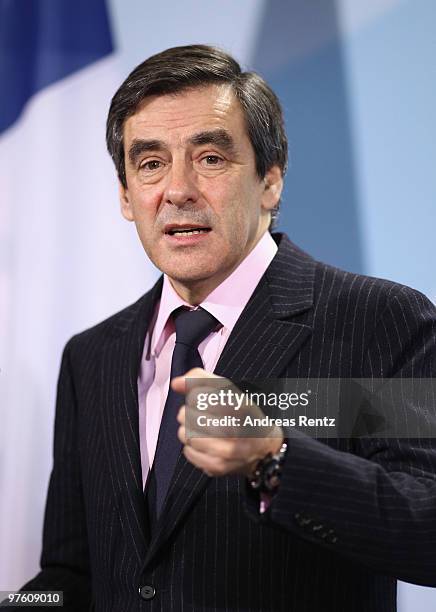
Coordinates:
(263, 341)
(121, 359)
(265, 338)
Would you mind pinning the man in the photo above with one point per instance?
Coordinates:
(142, 519)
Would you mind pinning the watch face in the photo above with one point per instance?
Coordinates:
(272, 475)
(268, 471)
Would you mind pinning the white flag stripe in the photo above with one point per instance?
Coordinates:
(70, 261)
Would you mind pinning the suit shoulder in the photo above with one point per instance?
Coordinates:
(94, 337)
(363, 292)
(335, 289)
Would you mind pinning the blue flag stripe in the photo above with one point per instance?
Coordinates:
(42, 41)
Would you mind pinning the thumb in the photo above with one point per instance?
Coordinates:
(178, 383)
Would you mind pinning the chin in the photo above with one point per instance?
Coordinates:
(189, 277)
(186, 270)
(188, 274)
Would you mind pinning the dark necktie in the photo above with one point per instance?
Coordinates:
(192, 327)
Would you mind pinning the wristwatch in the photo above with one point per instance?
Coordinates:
(267, 473)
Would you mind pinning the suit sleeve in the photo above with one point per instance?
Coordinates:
(378, 504)
(65, 558)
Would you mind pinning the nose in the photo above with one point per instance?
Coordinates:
(181, 185)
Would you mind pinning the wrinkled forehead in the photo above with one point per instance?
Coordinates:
(184, 112)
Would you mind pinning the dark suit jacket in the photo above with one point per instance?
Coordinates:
(350, 516)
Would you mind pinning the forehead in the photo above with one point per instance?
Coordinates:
(181, 114)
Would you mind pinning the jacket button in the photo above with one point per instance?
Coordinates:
(302, 520)
(147, 591)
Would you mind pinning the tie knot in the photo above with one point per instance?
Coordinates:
(193, 326)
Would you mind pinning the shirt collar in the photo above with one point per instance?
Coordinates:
(227, 301)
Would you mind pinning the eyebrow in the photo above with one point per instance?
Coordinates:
(140, 146)
(220, 138)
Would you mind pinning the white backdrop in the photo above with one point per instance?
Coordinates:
(68, 260)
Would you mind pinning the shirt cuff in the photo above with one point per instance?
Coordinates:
(265, 501)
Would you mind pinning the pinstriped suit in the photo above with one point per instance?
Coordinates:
(341, 528)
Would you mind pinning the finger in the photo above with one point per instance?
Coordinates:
(199, 373)
(227, 449)
(212, 466)
(178, 383)
(181, 415)
(181, 434)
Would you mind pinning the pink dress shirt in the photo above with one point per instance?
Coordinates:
(226, 304)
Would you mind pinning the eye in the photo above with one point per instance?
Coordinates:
(150, 165)
(212, 160)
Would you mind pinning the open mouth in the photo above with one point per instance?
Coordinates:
(187, 231)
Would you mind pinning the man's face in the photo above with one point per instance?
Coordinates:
(192, 188)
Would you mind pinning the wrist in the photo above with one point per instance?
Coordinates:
(272, 447)
(267, 472)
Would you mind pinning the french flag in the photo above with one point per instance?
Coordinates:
(67, 258)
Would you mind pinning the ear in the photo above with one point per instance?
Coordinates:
(126, 206)
(273, 186)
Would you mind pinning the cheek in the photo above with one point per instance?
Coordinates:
(237, 230)
(242, 212)
(145, 207)
(148, 199)
(143, 197)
